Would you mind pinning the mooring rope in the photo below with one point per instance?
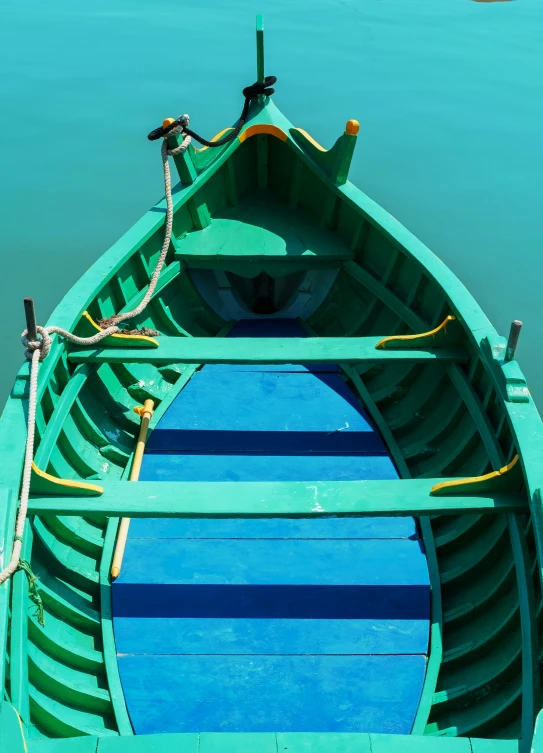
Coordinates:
(38, 350)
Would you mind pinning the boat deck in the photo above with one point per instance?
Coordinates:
(255, 625)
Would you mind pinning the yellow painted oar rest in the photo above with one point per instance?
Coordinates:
(42, 483)
(447, 333)
(89, 327)
(507, 479)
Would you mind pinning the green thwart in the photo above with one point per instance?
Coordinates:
(281, 280)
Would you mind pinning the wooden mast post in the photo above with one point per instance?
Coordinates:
(260, 54)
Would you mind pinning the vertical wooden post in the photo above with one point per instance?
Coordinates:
(30, 316)
(512, 340)
(260, 53)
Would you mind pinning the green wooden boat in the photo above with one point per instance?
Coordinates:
(336, 537)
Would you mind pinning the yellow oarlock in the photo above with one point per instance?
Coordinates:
(118, 340)
(411, 340)
(42, 482)
(505, 479)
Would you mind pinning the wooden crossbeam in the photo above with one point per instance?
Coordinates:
(340, 350)
(274, 499)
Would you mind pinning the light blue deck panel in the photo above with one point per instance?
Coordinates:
(231, 635)
(191, 466)
(266, 412)
(271, 624)
(261, 562)
(274, 528)
(272, 693)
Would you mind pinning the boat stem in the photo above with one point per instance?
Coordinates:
(146, 413)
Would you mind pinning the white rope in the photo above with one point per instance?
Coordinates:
(37, 350)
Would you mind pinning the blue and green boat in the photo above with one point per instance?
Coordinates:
(294, 505)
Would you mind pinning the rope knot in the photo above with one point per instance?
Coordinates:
(260, 88)
(43, 344)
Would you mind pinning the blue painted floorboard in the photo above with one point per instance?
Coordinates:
(261, 562)
(231, 635)
(274, 528)
(266, 412)
(270, 624)
(272, 693)
(191, 466)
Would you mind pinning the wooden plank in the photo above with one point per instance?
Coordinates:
(287, 687)
(157, 635)
(528, 622)
(335, 350)
(297, 499)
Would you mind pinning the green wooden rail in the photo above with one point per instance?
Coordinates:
(266, 350)
(274, 499)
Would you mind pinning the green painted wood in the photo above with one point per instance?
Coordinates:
(382, 425)
(479, 745)
(7, 523)
(248, 742)
(66, 684)
(261, 228)
(187, 742)
(13, 737)
(386, 744)
(436, 639)
(384, 294)
(185, 168)
(169, 273)
(260, 48)
(507, 376)
(62, 410)
(262, 161)
(315, 742)
(87, 744)
(20, 609)
(271, 499)
(267, 350)
(294, 742)
(531, 701)
(108, 638)
(479, 416)
(335, 162)
(436, 630)
(61, 720)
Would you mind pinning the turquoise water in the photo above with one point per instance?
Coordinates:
(449, 95)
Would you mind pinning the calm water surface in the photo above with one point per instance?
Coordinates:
(449, 95)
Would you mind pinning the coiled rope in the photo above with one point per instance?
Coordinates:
(37, 350)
